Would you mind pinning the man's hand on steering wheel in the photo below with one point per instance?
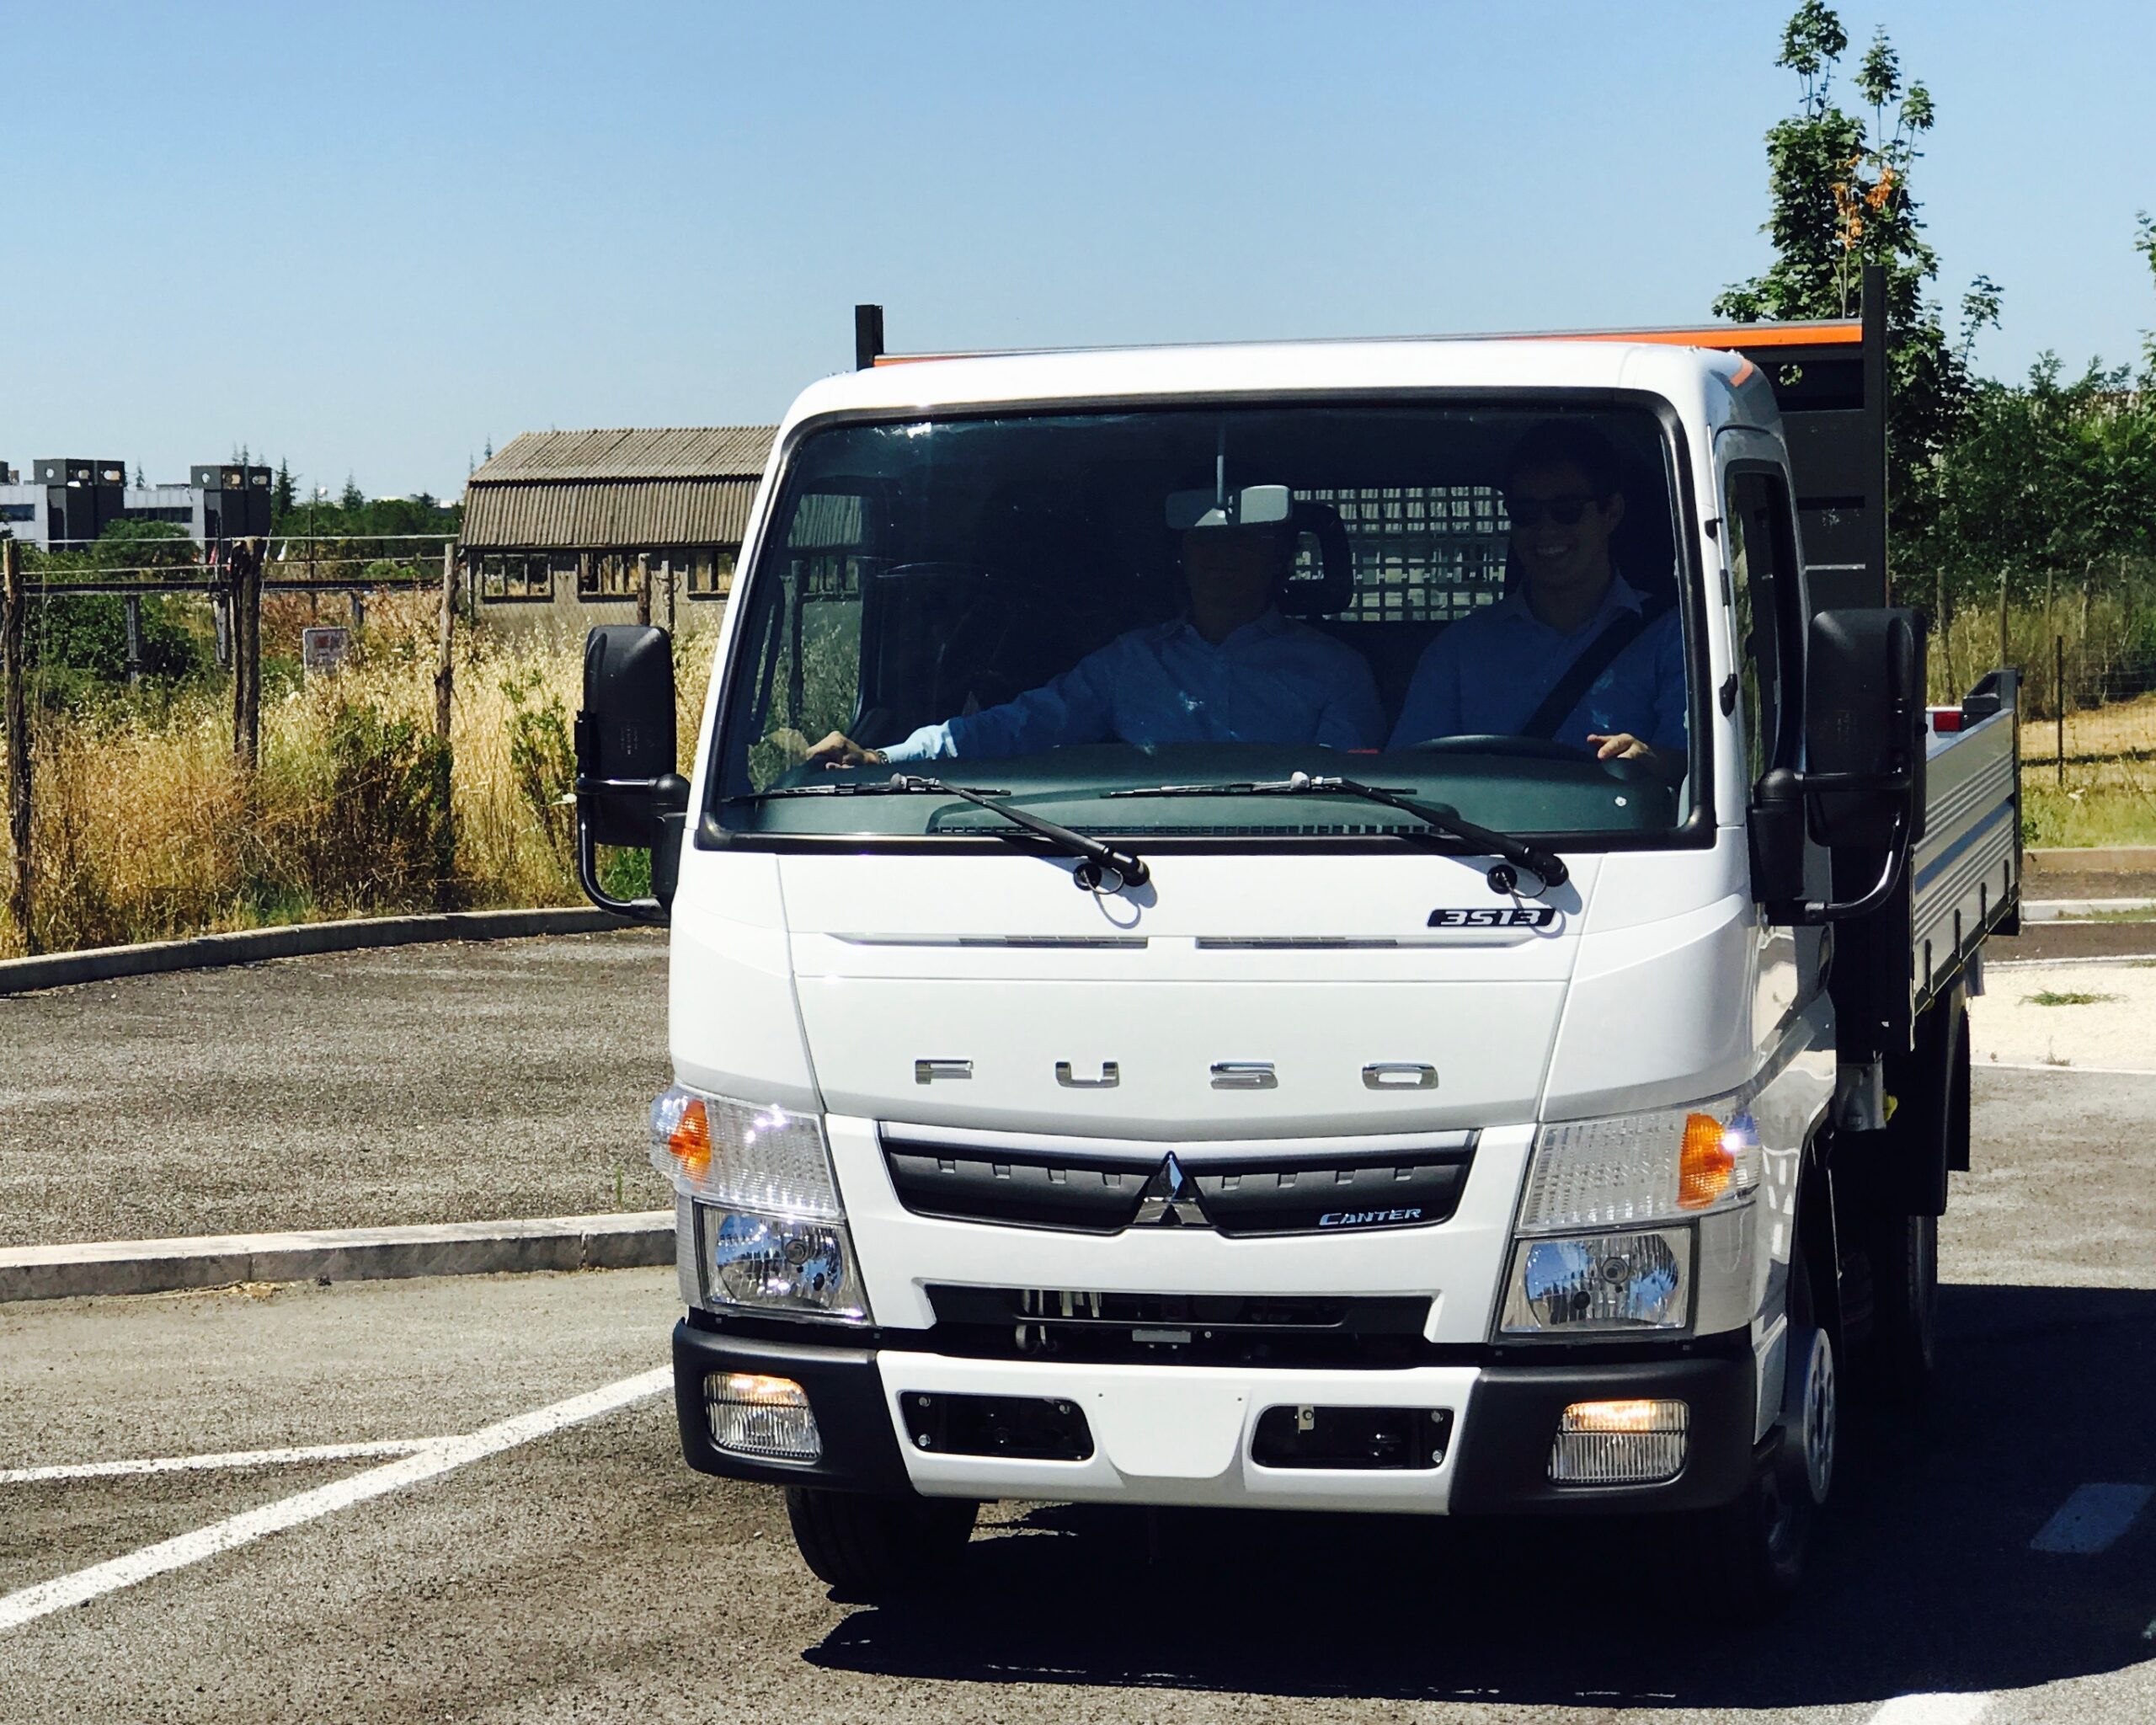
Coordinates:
(839, 751)
(1617, 745)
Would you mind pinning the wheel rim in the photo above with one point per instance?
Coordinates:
(1819, 1416)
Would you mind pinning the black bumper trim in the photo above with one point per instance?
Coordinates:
(846, 1393)
(1503, 1464)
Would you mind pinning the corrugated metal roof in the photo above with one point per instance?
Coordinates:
(690, 452)
(596, 514)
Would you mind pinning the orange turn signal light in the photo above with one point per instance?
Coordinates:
(690, 1140)
(1707, 1163)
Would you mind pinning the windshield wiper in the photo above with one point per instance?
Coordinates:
(1547, 866)
(1102, 867)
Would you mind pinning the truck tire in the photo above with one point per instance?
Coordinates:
(876, 1547)
(1750, 1553)
(1902, 1357)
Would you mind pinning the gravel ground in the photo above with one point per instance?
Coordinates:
(456, 1082)
(2076, 1015)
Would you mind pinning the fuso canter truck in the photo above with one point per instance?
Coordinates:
(1121, 1059)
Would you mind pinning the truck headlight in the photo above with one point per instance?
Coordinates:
(783, 1264)
(770, 1234)
(757, 1156)
(1633, 1281)
(1628, 1169)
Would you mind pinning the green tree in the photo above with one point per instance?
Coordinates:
(351, 498)
(1839, 198)
(284, 494)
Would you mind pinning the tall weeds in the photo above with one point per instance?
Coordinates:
(144, 829)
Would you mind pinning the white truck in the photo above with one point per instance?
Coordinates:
(1466, 1125)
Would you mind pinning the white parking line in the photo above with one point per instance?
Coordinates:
(1931, 1710)
(2092, 1520)
(231, 1458)
(31, 1603)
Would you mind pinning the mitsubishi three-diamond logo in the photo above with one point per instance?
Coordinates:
(1170, 1200)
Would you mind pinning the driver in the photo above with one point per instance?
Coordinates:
(1488, 674)
(1231, 669)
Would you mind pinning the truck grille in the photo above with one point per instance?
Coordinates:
(1194, 1329)
(1240, 1193)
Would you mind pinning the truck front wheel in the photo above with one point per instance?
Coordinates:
(876, 1547)
(1751, 1553)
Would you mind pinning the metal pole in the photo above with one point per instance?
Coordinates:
(131, 608)
(17, 718)
(2059, 701)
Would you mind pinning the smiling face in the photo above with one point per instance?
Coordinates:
(1560, 534)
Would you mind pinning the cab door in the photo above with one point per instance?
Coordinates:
(1765, 611)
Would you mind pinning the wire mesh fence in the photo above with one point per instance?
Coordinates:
(147, 820)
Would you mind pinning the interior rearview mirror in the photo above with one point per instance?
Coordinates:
(1253, 506)
(628, 795)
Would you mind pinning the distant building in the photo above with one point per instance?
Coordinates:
(65, 503)
(567, 528)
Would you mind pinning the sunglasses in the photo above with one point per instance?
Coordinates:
(1532, 511)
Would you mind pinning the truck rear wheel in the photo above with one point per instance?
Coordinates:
(1751, 1553)
(876, 1547)
(1902, 1353)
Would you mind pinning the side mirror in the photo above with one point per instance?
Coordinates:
(1863, 729)
(627, 794)
(1862, 787)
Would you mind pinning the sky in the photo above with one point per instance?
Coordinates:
(369, 240)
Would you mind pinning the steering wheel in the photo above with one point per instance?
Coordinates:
(1515, 748)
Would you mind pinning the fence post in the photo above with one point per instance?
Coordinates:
(2058, 702)
(643, 589)
(17, 720)
(247, 653)
(131, 608)
(444, 691)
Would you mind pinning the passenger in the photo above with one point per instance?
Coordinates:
(1231, 669)
(1490, 672)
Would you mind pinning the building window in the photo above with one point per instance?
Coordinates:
(707, 575)
(18, 511)
(504, 576)
(608, 575)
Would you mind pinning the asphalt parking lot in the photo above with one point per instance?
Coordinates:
(463, 1082)
(558, 1563)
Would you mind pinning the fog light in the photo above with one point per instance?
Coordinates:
(754, 1415)
(1620, 1443)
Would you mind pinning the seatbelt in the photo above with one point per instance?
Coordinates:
(1599, 655)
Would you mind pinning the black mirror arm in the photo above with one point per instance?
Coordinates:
(668, 809)
(1810, 914)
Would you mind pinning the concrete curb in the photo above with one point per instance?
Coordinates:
(2100, 859)
(2082, 910)
(251, 946)
(611, 1243)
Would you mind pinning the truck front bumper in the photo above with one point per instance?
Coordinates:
(1167, 1434)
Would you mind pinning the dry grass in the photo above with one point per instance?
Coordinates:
(2106, 793)
(144, 829)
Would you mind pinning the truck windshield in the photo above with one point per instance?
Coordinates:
(1476, 608)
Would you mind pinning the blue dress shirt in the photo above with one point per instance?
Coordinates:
(1271, 681)
(1487, 673)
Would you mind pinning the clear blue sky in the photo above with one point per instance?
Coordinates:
(368, 239)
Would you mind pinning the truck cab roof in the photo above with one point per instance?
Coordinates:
(1727, 387)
